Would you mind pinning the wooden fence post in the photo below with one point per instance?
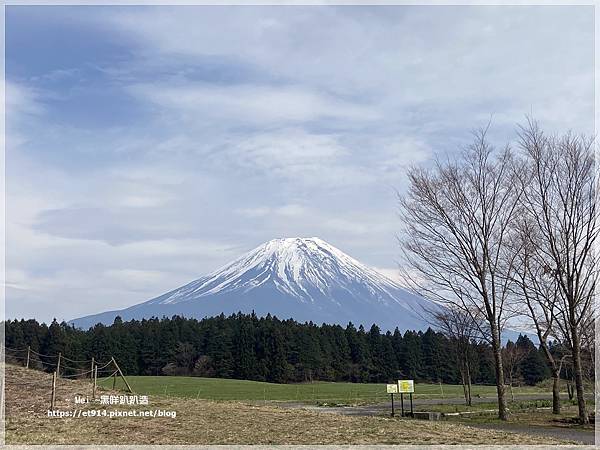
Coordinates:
(92, 370)
(95, 381)
(53, 399)
(58, 363)
(122, 376)
(2, 408)
(28, 350)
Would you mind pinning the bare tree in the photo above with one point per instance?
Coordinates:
(512, 356)
(460, 331)
(559, 190)
(456, 217)
(538, 289)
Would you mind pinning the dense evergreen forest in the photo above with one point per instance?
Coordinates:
(266, 349)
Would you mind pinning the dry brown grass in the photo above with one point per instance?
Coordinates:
(206, 422)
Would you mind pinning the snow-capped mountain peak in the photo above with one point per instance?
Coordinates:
(306, 279)
(295, 266)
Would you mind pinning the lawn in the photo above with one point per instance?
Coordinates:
(318, 392)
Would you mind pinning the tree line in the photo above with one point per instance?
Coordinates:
(244, 346)
(498, 233)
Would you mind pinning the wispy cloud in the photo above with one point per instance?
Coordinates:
(22, 99)
(252, 104)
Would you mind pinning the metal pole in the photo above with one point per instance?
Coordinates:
(411, 406)
(393, 412)
(53, 391)
(27, 363)
(402, 403)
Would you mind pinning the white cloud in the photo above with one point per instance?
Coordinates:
(260, 211)
(299, 157)
(74, 277)
(252, 103)
(292, 210)
(22, 99)
(393, 274)
(286, 211)
(452, 60)
(137, 277)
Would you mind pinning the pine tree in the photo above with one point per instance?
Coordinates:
(277, 365)
(245, 357)
(432, 369)
(53, 344)
(533, 368)
(411, 357)
(123, 346)
(359, 353)
(219, 348)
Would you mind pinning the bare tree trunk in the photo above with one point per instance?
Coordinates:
(497, 349)
(570, 389)
(463, 378)
(466, 382)
(555, 392)
(470, 392)
(556, 367)
(469, 397)
(577, 369)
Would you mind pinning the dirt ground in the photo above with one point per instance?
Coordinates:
(539, 423)
(205, 422)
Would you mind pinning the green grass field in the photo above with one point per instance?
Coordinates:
(318, 392)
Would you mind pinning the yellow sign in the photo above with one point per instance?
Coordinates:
(392, 388)
(406, 386)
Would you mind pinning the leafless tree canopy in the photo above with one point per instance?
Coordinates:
(512, 356)
(558, 231)
(457, 217)
(492, 235)
(461, 331)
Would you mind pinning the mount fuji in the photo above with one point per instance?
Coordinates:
(306, 279)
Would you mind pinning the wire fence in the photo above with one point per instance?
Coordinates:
(65, 366)
(56, 364)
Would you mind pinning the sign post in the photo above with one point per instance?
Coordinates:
(402, 403)
(392, 389)
(406, 387)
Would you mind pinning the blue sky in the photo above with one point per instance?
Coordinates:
(146, 146)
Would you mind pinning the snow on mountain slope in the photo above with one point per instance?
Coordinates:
(306, 279)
